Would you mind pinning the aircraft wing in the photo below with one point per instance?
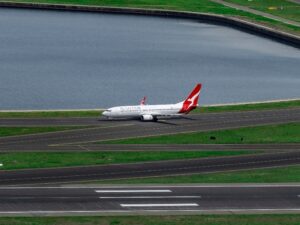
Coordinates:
(163, 115)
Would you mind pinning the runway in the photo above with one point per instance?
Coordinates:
(102, 130)
(190, 199)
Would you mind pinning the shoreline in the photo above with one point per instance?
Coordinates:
(237, 23)
(101, 109)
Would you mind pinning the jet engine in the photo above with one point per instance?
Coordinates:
(148, 118)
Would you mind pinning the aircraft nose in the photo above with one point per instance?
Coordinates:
(107, 113)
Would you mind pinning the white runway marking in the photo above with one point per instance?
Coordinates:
(160, 205)
(134, 191)
(150, 197)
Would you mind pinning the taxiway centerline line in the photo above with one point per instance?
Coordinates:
(133, 191)
(161, 205)
(146, 197)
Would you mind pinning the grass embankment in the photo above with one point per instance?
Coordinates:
(203, 109)
(20, 160)
(11, 131)
(283, 133)
(248, 107)
(205, 6)
(270, 175)
(282, 8)
(50, 114)
(287, 219)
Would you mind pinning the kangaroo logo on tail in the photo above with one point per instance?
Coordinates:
(192, 100)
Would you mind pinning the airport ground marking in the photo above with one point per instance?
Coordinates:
(134, 191)
(148, 197)
(161, 205)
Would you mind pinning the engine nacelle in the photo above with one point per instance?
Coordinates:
(147, 118)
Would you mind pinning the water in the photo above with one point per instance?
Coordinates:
(59, 60)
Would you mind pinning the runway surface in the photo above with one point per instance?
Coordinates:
(150, 169)
(193, 199)
(108, 130)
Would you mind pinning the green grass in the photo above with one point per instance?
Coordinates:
(282, 133)
(270, 175)
(20, 160)
(282, 8)
(287, 219)
(248, 107)
(11, 131)
(181, 5)
(50, 114)
(203, 109)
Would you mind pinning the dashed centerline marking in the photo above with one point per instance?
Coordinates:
(161, 205)
(146, 197)
(133, 191)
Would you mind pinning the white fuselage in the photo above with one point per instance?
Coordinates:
(152, 112)
(139, 110)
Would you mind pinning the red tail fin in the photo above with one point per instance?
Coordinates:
(192, 100)
(143, 101)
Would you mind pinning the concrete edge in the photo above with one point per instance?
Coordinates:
(102, 109)
(252, 27)
(105, 213)
(179, 185)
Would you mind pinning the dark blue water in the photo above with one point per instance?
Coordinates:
(51, 60)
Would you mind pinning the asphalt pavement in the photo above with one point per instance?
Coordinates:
(102, 129)
(83, 140)
(147, 169)
(193, 199)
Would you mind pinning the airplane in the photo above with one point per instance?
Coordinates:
(152, 112)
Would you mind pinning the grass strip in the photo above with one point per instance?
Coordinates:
(287, 219)
(248, 107)
(20, 160)
(282, 8)
(269, 175)
(11, 131)
(187, 5)
(282, 133)
(202, 109)
(50, 114)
